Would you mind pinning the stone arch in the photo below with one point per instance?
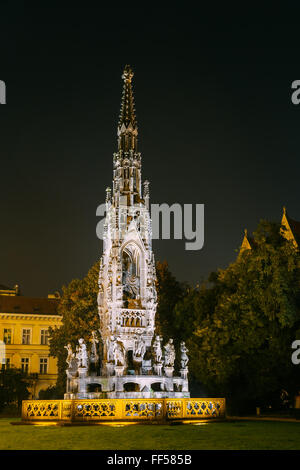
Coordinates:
(94, 387)
(132, 257)
(130, 365)
(131, 386)
(157, 386)
(177, 387)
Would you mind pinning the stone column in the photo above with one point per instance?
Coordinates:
(110, 368)
(157, 368)
(119, 370)
(169, 371)
(82, 374)
(184, 373)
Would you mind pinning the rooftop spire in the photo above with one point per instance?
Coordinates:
(127, 128)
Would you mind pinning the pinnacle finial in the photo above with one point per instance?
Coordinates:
(127, 127)
(284, 210)
(127, 73)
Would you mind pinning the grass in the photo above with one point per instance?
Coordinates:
(237, 435)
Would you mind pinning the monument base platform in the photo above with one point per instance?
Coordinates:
(126, 386)
(159, 410)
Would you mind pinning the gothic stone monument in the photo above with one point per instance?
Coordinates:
(135, 363)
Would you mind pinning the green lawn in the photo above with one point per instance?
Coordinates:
(223, 435)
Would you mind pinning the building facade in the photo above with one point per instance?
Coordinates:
(24, 325)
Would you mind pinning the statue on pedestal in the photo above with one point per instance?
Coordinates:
(70, 355)
(184, 357)
(94, 355)
(158, 359)
(119, 353)
(140, 349)
(130, 279)
(82, 355)
(169, 353)
(157, 350)
(71, 360)
(110, 347)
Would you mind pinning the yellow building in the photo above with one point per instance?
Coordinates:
(290, 229)
(24, 324)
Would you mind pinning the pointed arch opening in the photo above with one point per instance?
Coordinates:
(131, 262)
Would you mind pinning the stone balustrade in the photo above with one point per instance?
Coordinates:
(159, 410)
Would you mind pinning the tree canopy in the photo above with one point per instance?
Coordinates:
(14, 385)
(245, 320)
(169, 292)
(78, 307)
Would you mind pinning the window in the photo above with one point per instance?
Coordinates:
(25, 364)
(6, 364)
(44, 336)
(43, 365)
(26, 336)
(7, 335)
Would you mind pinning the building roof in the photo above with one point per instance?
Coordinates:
(295, 226)
(247, 243)
(2, 287)
(292, 228)
(28, 305)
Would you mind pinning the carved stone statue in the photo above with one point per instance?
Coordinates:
(169, 353)
(130, 280)
(119, 353)
(184, 357)
(110, 348)
(140, 349)
(157, 349)
(94, 355)
(109, 291)
(82, 355)
(70, 355)
(150, 323)
(101, 293)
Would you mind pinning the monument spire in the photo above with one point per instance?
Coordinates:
(127, 127)
(127, 160)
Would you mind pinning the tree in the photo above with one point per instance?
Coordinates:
(51, 393)
(14, 384)
(246, 321)
(78, 307)
(169, 292)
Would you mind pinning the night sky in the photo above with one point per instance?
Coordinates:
(216, 126)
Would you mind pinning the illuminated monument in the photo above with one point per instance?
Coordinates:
(134, 362)
(134, 380)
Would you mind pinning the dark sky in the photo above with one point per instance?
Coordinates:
(216, 126)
